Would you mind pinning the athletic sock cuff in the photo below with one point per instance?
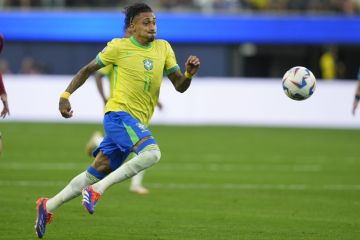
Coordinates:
(92, 172)
(145, 145)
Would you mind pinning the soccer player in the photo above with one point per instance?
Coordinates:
(138, 62)
(136, 185)
(3, 96)
(5, 111)
(357, 94)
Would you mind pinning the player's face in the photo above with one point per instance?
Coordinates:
(144, 27)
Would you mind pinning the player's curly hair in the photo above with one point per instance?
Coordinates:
(132, 11)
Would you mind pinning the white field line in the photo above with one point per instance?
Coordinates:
(44, 166)
(242, 167)
(175, 166)
(232, 186)
(190, 186)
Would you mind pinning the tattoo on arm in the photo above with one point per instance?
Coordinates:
(82, 75)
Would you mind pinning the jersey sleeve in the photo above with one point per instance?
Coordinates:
(171, 65)
(108, 55)
(105, 71)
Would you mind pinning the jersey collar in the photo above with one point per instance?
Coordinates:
(136, 43)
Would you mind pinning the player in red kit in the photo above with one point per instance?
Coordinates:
(5, 111)
(3, 96)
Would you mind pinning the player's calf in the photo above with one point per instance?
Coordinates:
(149, 156)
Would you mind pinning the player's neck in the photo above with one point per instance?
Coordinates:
(142, 41)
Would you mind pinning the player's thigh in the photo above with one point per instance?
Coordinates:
(124, 134)
(101, 163)
(127, 132)
(109, 156)
(143, 143)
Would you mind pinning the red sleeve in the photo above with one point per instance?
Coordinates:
(2, 87)
(1, 42)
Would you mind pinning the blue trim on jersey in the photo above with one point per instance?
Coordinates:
(172, 70)
(95, 173)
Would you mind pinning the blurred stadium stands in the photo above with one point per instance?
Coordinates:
(348, 7)
(238, 38)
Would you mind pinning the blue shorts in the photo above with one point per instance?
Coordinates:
(122, 133)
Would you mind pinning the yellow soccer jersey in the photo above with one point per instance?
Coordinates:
(138, 73)
(109, 73)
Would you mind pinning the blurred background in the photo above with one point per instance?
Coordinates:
(226, 171)
(245, 47)
(234, 38)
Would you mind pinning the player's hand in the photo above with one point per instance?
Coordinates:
(192, 65)
(65, 108)
(6, 110)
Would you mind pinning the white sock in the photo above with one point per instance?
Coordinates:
(136, 181)
(145, 159)
(72, 190)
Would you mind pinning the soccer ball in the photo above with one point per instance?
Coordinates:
(299, 83)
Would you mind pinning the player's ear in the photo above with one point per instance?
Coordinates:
(131, 27)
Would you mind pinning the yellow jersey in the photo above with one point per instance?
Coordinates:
(138, 73)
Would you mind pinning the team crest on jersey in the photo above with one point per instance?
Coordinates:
(148, 64)
(142, 127)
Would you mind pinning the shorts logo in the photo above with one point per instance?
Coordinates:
(148, 64)
(142, 127)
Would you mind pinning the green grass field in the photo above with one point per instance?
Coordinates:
(212, 183)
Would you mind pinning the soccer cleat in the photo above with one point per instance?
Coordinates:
(140, 190)
(93, 143)
(43, 217)
(89, 199)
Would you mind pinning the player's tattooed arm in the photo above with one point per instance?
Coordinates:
(82, 75)
(77, 81)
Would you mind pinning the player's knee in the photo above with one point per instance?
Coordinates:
(155, 155)
(146, 158)
(152, 155)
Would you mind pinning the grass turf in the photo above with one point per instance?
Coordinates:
(212, 183)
